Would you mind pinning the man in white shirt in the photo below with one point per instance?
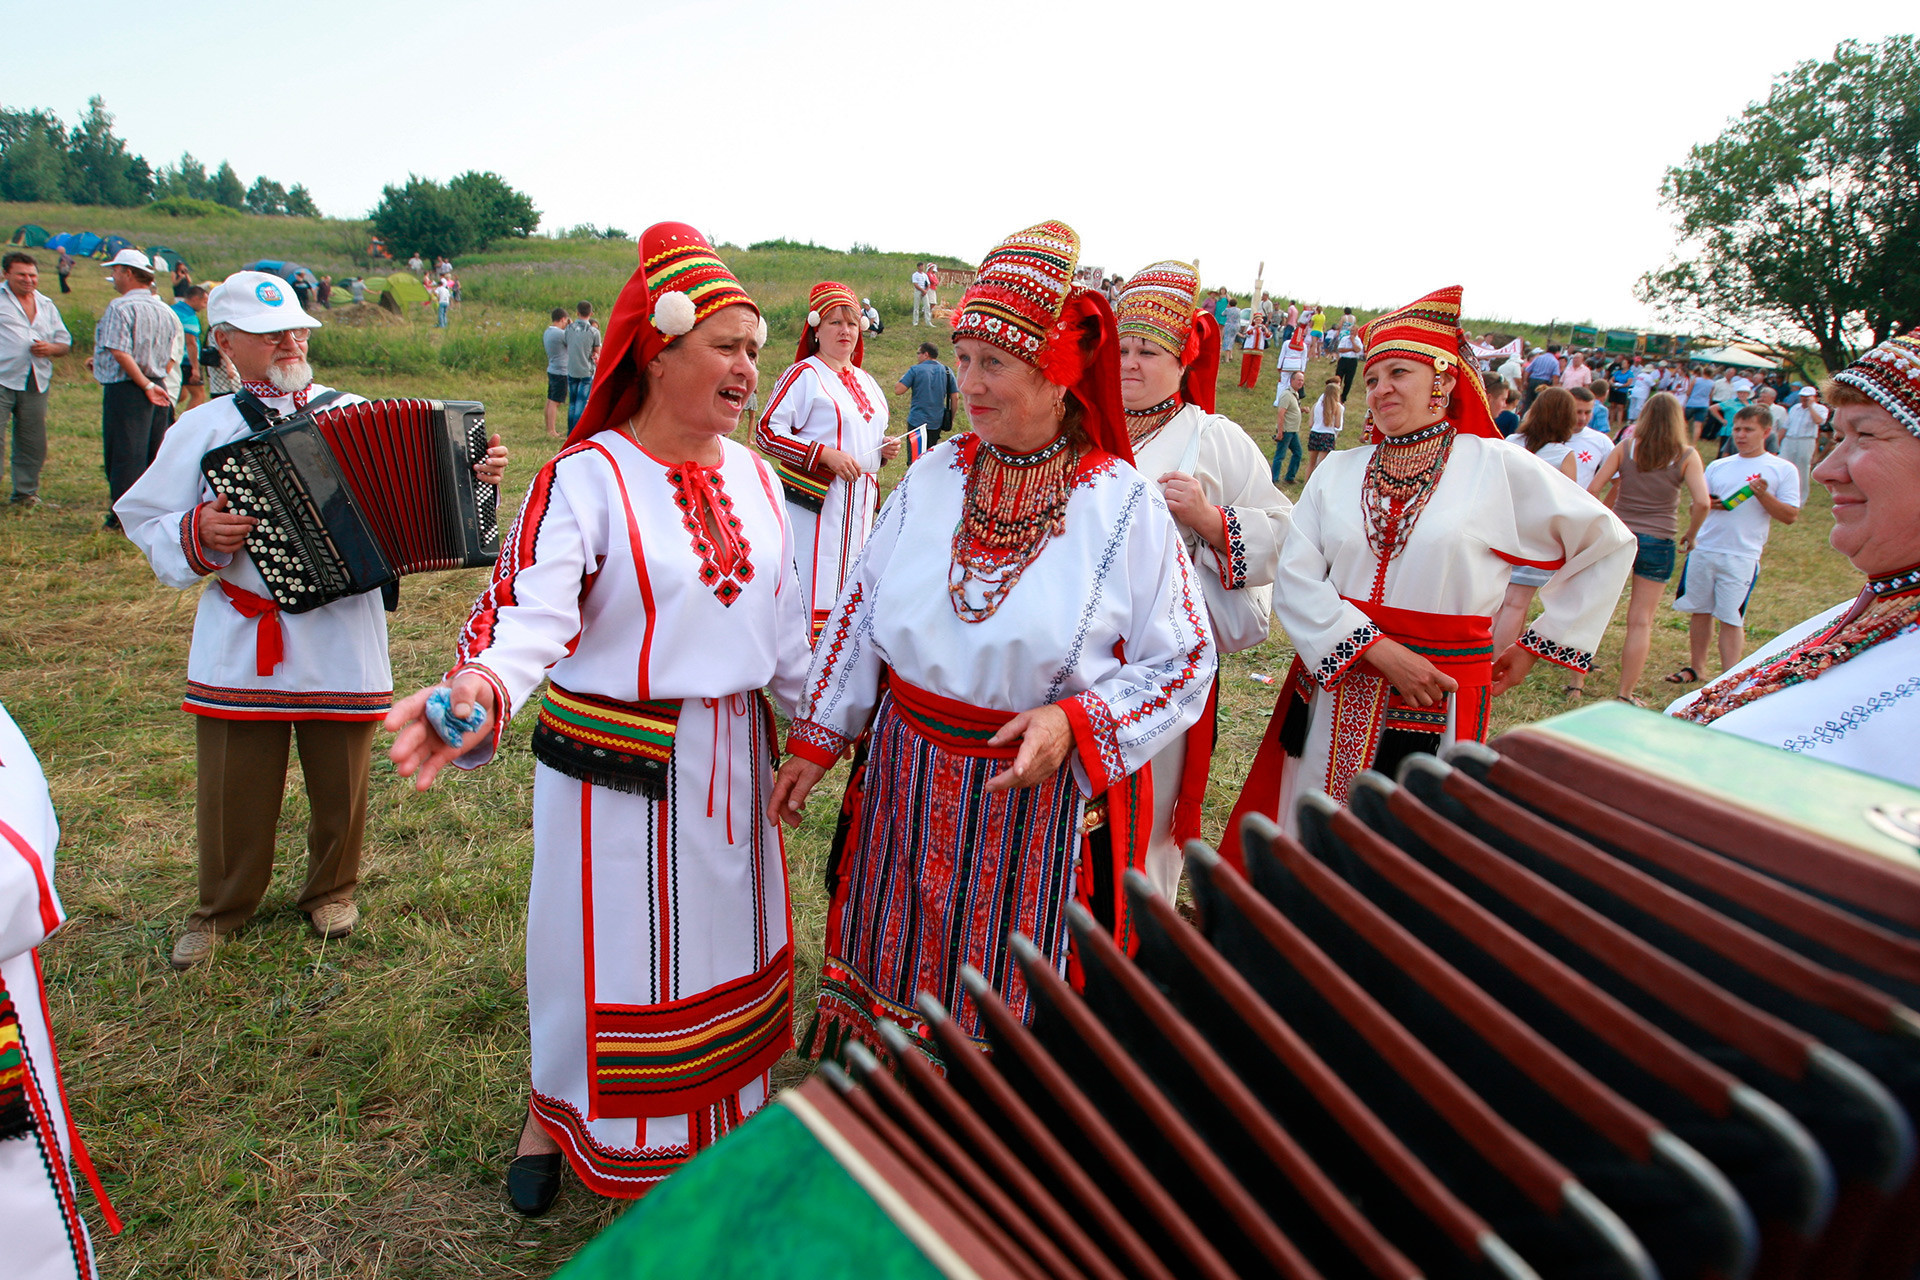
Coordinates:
(442, 294)
(1749, 489)
(922, 297)
(31, 335)
(1802, 433)
(1778, 413)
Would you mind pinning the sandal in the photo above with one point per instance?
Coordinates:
(1630, 700)
(1685, 675)
(1573, 691)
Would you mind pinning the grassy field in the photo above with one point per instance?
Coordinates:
(303, 1109)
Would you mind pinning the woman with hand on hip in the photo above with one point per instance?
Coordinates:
(825, 427)
(1232, 519)
(1398, 556)
(650, 575)
(1027, 597)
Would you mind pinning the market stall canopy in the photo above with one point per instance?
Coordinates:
(1734, 356)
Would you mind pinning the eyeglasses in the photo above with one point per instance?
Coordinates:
(275, 339)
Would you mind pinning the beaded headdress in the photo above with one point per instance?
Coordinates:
(1890, 373)
(679, 283)
(823, 298)
(1428, 330)
(1160, 305)
(1024, 301)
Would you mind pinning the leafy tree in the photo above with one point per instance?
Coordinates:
(187, 178)
(227, 188)
(100, 168)
(300, 203)
(33, 156)
(1803, 215)
(266, 196)
(500, 212)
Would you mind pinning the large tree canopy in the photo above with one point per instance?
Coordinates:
(467, 214)
(1803, 217)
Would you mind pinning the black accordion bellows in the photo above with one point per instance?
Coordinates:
(353, 498)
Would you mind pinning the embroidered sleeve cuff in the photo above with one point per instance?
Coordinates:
(1095, 739)
(1564, 654)
(190, 544)
(481, 752)
(814, 450)
(815, 742)
(1233, 564)
(1345, 654)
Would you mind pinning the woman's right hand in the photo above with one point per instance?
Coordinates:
(791, 786)
(840, 463)
(419, 752)
(1419, 681)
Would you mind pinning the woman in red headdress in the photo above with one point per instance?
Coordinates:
(1041, 634)
(1232, 518)
(649, 575)
(1399, 555)
(825, 427)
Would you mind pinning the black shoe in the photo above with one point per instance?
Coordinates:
(111, 522)
(533, 1183)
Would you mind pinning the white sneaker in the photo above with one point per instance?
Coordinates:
(334, 919)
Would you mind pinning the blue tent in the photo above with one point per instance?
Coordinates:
(82, 244)
(113, 245)
(59, 243)
(291, 272)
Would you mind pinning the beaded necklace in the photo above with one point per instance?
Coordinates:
(1401, 477)
(1144, 424)
(1013, 504)
(1889, 605)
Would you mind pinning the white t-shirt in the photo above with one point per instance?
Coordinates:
(1804, 420)
(1590, 449)
(1351, 346)
(1551, 454)
(920, 280)
(1512, 370)
(1743, 530)
(443, 294)
(1779, 412)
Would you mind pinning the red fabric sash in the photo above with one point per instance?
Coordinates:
(1365, 706)
(958, 727)
(1193, 773)
(269, 645)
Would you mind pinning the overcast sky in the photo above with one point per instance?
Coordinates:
(1366, 153)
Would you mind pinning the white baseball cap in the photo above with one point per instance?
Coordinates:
(257, 302)
(132, 258)
(1809, 391)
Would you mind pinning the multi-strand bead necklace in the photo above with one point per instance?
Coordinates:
(1401, 477)
(1013, 504)
(1894, 605)
(1144, 424)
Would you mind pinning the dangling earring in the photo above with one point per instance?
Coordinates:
(1438, 400)
(1060, 409)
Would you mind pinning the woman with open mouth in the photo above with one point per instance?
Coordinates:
(650, 573)
(825, 427)
(1027, 596)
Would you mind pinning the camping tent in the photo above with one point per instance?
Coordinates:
(81, 244)
(405, 289)
(114, 245)
(291, 272)
(59, 243)
(30, 235)
(1735, 357)
(163, 257)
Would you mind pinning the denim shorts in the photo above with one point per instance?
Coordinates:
(1654, 558)
(557, 388)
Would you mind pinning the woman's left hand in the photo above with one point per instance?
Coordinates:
(890, 448)
(493, 467)
(1188, 503)
(1045, 738)
(1511, 667)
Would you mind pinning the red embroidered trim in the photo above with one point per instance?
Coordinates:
(851, 381)
(701, 494)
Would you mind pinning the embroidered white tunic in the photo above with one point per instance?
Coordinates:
(659, 954)
(1494, 507)
(812, 409)
(1863, 713)
(335, 657)
(46, 1238)
(1238, 584)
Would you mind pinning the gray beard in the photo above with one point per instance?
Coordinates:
(290, 378)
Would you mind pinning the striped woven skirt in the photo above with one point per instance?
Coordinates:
(937, 873)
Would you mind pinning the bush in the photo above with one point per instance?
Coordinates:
(188, 207)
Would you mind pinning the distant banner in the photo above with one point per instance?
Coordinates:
(1585, 335)
(1659, 344)
(1622, 340)
(1487, 355)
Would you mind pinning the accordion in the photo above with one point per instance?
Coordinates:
(353, 498)
(1616, 998)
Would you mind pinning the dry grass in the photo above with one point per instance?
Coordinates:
(303, 1109)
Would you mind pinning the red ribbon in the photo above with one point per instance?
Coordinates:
(269, 646)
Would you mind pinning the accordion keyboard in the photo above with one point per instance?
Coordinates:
(289, 545)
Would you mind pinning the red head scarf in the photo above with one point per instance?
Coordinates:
(1428, 330)
(824, 297)
(680, 282)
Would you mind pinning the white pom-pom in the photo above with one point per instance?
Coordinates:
(813, 319)
(865, 323)
(674, 314)
(760, 332)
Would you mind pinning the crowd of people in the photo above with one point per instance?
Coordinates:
(1013, 654)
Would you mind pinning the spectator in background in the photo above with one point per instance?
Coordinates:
(583, 357)
(1768, 398)
(181, 279)
(325, 292)
(1699, 401)
(31, 335)
(935, 392)
(1621, 377)
(922, 295)
(1317, 333)
(1646, 473)
(1229, 329)
(868, 310)
(1646, 379)
(1802, 432)
(1286, 428)
(1348, 350)
(1591, 444)
(1323, 431)
(64, 265)
(187, 306)
(1723, 385)
(442, 296)
(1749, 490)
(302, 291)
(414, 264)
(1543, 371)
(933, 290)
(1500, 403)
(1721, 412)
(441, 266)
(554, 338)
(1514, 374)
(133, 345)
(1577, 373)
(1546, 432)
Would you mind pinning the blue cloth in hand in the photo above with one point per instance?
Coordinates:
(452, 729)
